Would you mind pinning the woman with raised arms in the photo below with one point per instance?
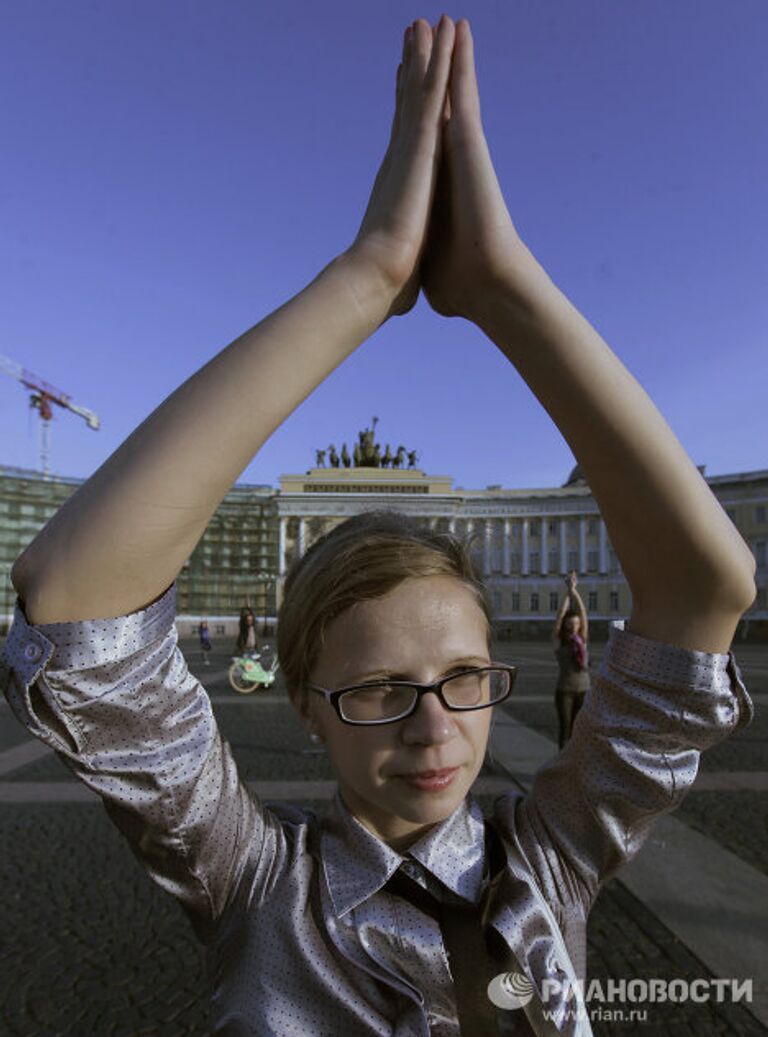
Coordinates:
(392, 914)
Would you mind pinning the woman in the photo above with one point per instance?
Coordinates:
(569, 641)
(246, 635)
(384, 641)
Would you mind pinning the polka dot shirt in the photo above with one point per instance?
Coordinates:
(301, 937)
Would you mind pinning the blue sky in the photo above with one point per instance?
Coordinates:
(173, 171)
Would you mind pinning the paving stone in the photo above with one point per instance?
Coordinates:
(737, 820)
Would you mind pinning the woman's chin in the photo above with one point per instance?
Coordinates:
(429, 804)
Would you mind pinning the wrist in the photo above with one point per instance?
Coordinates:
(515, 294)
(372, 291)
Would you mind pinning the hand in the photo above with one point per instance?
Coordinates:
(393, 232)
(472, 242)
(571, 580)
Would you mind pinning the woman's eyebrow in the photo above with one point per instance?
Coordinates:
(386, 673)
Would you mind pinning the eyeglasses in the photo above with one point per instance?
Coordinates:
(384, 702)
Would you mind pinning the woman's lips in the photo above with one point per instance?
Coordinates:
(432, 781)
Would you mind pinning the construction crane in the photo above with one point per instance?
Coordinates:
(42, 396)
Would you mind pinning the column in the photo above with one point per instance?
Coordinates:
(506, 567)
(301, 542)
(544, 545)
(603, 548)
(582, 544)
(281, 545)
(488, 543)
(563, 545)
(526, 550)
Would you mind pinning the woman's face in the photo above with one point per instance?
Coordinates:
(422, 630)
(572, 625)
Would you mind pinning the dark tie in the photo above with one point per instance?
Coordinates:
(475, 956)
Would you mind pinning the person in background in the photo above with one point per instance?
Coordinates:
(569, 641)
(205, 641)
(246, 638)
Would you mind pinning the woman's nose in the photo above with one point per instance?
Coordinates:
(431, 724)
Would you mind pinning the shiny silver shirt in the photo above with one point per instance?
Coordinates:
(301, 940)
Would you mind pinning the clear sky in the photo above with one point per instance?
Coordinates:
(172, 171)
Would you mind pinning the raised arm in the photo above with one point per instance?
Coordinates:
(690, 573)
(119, 542)
(559, 618)
(577, 604)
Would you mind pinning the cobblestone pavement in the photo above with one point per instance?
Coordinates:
(95, 950)
(737, 819)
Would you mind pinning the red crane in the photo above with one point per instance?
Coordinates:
(42, 397)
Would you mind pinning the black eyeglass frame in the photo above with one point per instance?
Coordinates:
(334, 697)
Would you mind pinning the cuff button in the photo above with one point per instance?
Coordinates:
(32, 652)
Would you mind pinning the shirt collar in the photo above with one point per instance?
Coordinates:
(357, 863)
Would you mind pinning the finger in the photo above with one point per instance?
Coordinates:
(421, 45)
(406, 41)
(447, 106)
(398, 102)
(399, 82)
(463, 90)
(438, 72)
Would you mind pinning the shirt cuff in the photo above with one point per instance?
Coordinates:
(667, 666)
(86, 643)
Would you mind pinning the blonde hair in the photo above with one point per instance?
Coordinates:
(362, 558)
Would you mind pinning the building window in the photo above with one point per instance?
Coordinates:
(533, 527)
(554, 561)
(614, 601)
(592, 561)
(514, 562)
(221, 629)
(552, 527)
(760, 513)
(554, 601)
(534, 561)
(573, 560)
(592, 526)
(592, 601)
(496, 601)
(534, 602)
(613, 562)
(760, 553)
(515, 601)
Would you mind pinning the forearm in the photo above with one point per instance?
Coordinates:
(124, 536)
(690, 573)
(561, 612)
(577, 604)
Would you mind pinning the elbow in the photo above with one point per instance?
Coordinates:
(33, 586)
(20, 577)
(730, 593)
(744, 595)
(738, 585)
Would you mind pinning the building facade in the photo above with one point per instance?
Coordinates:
(234, 564)
(523, 541)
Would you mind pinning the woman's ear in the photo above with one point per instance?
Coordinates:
(302, 703)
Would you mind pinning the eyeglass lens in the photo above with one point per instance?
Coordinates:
(462, 691)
